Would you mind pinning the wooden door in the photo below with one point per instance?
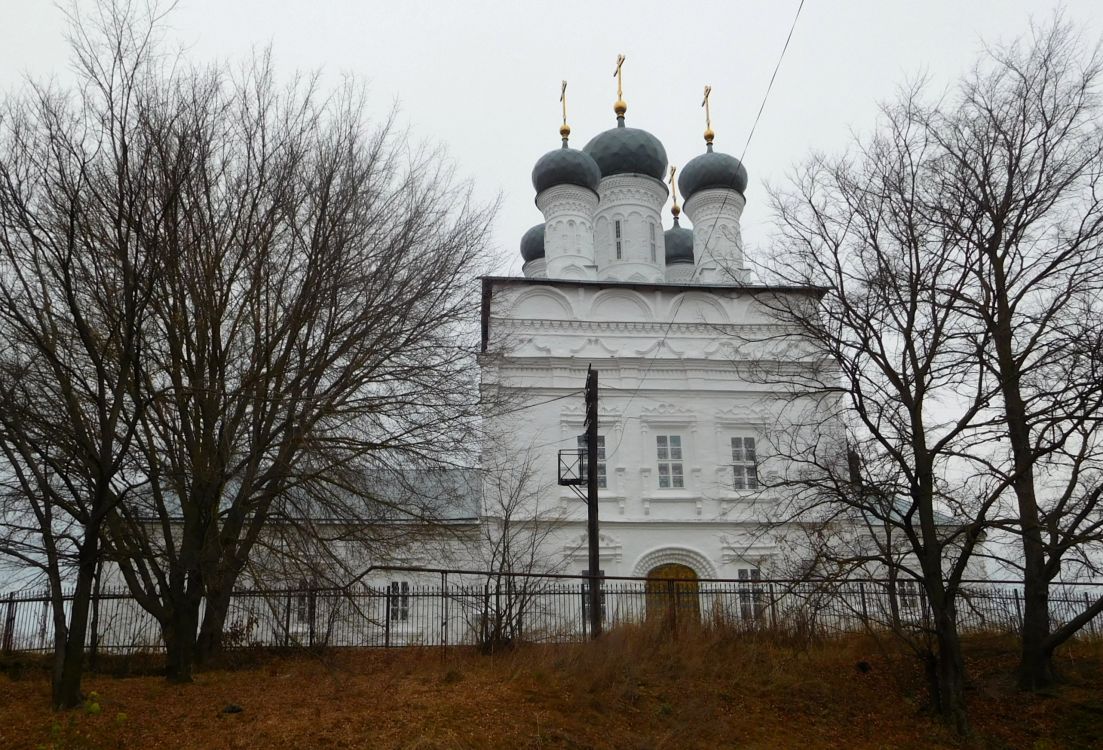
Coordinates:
(672, 596)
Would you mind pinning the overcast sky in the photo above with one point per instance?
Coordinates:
(482, 78)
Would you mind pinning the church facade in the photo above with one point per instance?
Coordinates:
(676, 330)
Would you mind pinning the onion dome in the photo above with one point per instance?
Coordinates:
(712, 169)
(565, 166)
(679, 244)
(623, 150)
(532, 243)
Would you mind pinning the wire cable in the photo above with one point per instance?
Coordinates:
(539, 403)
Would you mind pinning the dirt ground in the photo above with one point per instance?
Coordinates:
(629, 691)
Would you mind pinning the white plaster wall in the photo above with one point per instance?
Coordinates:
(636, 201)
(717, 237)
(568, 231)
(669, 363)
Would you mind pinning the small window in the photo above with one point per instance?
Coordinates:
(744, 464)
(907, 596)
(302, 602)
(752, 602)
(620, 252)
(653, 246)
(669, 451)
(400, 601)
(601, 475)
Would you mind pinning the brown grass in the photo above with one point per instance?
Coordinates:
(635, 689)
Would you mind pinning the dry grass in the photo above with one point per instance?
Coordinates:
(633, 690)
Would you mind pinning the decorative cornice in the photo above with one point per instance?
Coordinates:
(707, 203)
(563, 193)
(644, 326)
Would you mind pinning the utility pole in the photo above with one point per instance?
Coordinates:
(591, 502)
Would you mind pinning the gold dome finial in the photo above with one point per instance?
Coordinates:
(675, 209)
(709, 134)
(564, 129)
(620, 106)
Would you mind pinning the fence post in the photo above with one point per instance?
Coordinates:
(865, 607)
(45, 617)
(672, 592)
(9, 625)
(773, 607)
(443, 609)
(387, 620)
(484, 624)
(1018, 611)
(311, 609)
(287, 622)
(94, 650)
(1091, 626)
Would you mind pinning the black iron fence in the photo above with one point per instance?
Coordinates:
(530, 608)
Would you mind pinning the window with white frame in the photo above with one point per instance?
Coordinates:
(907, 596)
(653, 245)
(302, 601)
(752, 601)
(601, 471)
(617, 235)
(399, 597)
(744, 464)
(669, 451)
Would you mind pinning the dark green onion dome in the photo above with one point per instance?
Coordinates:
(623, 150)
(565, 166)
(532, 243)
(679, 244)
(712, 169)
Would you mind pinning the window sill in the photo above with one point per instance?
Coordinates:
(664, 495)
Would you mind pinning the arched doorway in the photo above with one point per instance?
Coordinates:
(672, 596)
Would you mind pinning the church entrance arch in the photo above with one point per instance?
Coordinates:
(673, 599)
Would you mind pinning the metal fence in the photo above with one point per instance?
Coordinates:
(537, 609)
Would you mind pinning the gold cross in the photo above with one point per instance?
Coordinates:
(563, 98)
(709, 135)
(674, 191)
(617, 75)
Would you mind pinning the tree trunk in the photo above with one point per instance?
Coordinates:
(180, 639)
(1035, 667)
(209, 643)
(950, 674)
(67, 675)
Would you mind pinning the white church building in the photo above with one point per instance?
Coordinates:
(665, 317)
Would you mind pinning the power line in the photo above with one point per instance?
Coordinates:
(773, 76)
(539, 403)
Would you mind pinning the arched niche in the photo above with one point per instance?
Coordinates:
(695, 307)
(620, 305)
(661, 556)
(542, 304)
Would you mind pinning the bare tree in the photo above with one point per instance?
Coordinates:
(311, 328)
(516, 535)
(960, 253)
(76, 275)
(269, 302)
(870, 443)
(1019, 177)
